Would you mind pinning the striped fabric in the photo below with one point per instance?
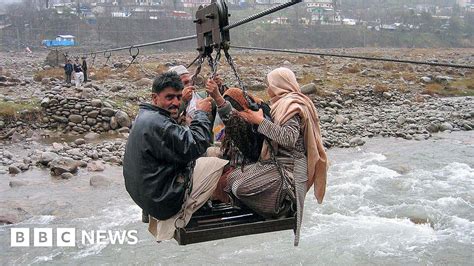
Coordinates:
(259, 185)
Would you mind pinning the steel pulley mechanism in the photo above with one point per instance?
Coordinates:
(210, 22)
(212, 31)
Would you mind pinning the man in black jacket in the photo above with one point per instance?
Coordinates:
(160, 154)
(84, 69)
(68, 71)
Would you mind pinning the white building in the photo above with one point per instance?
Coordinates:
(195, 3)
(323, 11)
(463, 3)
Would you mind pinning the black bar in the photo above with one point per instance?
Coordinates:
(196, 236)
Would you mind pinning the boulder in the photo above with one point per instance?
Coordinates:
(45, 102)
(14, 170)
(144, 82)
(75, 152)
(356, 141)
(79, 141)
(426, 79)
(124, 130)
(100, 181)
(443, 79)
(60, 119)
(82, 164)
(93, 114)
(91, 121)
(401, 120)
(57, 146)
(113, 123)
(309, 88)
(75, 119)
(117, 88)
(340, 119)
(66, 175)
(123, 119)
(95, 166)
(47, 157)
(446, 126)
(433, 128)
(91, 136)
(96, 103)
(63, 165)
(17, 137)
(106, 111)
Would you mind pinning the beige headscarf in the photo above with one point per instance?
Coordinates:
(287, 101)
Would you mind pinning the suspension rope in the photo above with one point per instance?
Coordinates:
(107, 55)
(93, 59)
(261, 14)
(194, 61)
(354, 57)
(190, 37)
(134, 56)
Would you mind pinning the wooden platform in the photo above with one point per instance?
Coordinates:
(225, 221)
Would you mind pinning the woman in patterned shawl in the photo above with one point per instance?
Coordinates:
(293, 157)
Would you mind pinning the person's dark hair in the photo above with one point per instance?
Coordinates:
(165, 80)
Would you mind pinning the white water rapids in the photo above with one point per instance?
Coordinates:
(389, 202)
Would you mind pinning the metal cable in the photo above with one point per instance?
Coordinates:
(261, 14)
(194, 61)
(190, 37)
(355, 57)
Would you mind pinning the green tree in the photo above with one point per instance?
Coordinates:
(455, 25)
(427, 21)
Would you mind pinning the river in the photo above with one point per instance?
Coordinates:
(389, 202)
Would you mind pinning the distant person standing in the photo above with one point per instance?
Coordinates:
(68, 71)
(79, 75)
(84, 69)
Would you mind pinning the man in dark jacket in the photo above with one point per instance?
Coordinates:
(84, 69)
(160, 154)
(68, 71)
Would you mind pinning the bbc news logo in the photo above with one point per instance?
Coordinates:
(66, 237)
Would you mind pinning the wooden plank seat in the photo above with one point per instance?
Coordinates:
(225, 221)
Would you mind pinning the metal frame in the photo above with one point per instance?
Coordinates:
(210, 21)
(225, 221)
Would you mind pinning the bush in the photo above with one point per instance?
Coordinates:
(49, 73)
(380, 88)
(13, 111)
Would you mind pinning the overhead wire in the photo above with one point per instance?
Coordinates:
(267, 12)
(369, 58)
(191, 37)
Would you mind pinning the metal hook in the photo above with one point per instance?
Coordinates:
(130, 51)
(107, 55)
(134, 56)
(93, 56)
